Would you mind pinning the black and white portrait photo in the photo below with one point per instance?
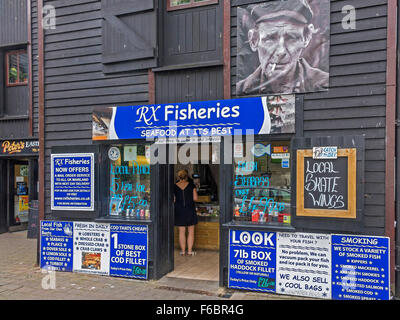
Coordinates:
(283, 47)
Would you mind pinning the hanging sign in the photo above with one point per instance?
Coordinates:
(72, 181)
(205, 118)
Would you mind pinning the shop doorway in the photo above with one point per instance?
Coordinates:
(18, 187)
(19, 194)
(203, 171)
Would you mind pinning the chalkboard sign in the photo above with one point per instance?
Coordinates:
(33, 220)
(326, 187)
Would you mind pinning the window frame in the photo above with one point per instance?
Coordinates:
(192, 4)
(7, 67)
(270, 224)
(106, 214)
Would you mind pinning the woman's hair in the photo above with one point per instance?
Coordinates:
(183, 174)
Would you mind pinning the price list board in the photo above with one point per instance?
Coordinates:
(72, 181)
(360, 268)
(252, 260)
(304, 264)
(56, 245)
(129, 251)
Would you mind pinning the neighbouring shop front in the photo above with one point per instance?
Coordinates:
(19, 182)
(277, 213)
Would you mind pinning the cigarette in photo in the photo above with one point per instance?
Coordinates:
(273, 67)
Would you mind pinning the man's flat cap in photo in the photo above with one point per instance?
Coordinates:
(297, 10)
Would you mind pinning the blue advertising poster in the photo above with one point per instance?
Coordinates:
(252, 260)
(56, 245)
(262, 115)
(129, 250)
(360, 268)
(72, 181)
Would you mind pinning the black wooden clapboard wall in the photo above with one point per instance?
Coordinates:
(129, 35)
(76, 82)
(355, 102)
(14, 100)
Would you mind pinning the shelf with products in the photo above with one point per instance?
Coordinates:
(207, 210)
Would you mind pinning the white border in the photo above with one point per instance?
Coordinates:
(56, 155)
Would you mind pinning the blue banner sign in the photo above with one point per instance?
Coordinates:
(262, 115)
(128, 254)
(252, 260)
(72, 181)
(56, 245)
(360, 268)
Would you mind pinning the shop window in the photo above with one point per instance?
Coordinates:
(16, 68)
(261, 183)
(183, 4)
(129, 184)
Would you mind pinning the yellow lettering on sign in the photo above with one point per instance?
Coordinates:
(13, 147)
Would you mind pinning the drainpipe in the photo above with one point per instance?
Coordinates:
(397, 170)
(391, 93)
(41, 115)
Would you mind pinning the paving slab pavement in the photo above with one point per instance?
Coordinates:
(22, 279)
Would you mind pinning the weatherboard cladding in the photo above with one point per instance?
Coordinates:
(13, 22)
(13, 35)
(354, 105)
(74, 78)
(35, 82)
(355, 102)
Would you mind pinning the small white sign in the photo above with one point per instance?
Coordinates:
(130, 153)
(303, 263)
(238, 150)
(324, 152)
(91, 247)
(280, 155)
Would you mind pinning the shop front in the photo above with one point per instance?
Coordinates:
(276, 212)
(19, 177)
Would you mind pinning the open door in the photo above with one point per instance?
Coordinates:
(204, 173)
(163, 220)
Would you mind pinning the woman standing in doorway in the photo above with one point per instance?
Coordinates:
(185, 194)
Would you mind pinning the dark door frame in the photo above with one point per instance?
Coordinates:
(11, 190)
(165, 212)
(3, 196)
